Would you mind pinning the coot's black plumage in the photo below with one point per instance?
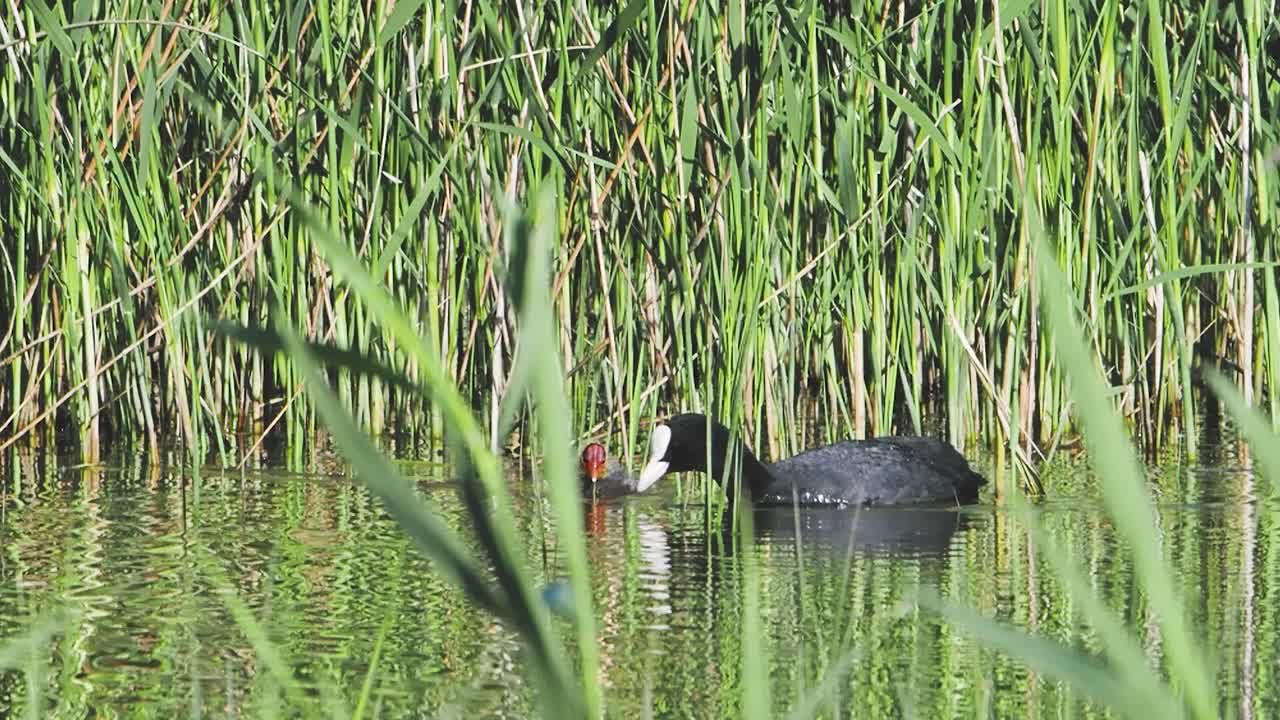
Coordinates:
(880, 471)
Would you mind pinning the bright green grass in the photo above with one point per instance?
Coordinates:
(771, 213)
(770, 216)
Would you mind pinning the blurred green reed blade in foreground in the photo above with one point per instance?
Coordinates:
(1127, 686)
(515, 599)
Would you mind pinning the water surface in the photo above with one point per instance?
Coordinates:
(155, 566)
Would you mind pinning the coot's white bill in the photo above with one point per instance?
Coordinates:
(656, 467)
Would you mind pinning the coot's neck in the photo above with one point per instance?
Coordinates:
(754, 473)
(732, 455)
(691, 441)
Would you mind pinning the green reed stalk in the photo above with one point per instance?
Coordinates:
(849, 173)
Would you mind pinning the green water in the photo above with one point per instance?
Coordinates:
(151, 565)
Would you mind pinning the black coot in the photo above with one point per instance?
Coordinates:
(881, 471)
(602, 476)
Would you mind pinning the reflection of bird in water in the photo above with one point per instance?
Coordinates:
(595, 520)
(652, 576)
(655, 577)
(601, 477)
(654, 572)
(824, 535)
(876, 530)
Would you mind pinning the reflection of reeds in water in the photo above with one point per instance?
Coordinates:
(841, 630)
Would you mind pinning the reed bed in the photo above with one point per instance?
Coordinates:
(808, 221)
(803, 219)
